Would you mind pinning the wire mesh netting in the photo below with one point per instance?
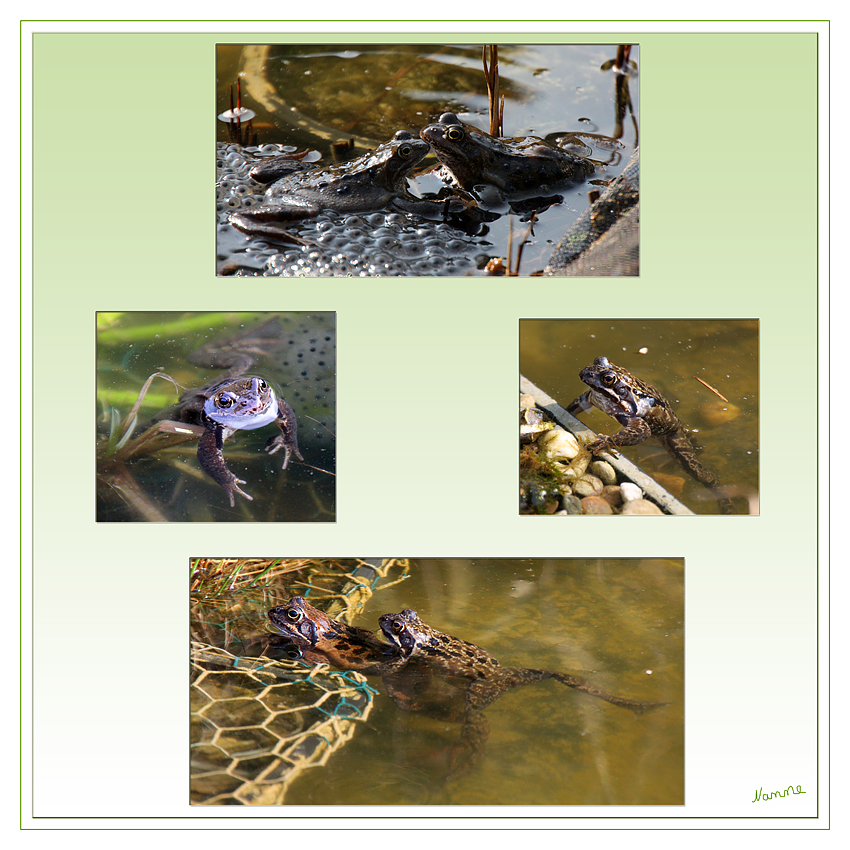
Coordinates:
(258, 717)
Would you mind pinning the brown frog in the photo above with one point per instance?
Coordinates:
(643, 412)
(234, 401)
(310, 636)
(374, 181)
(515, 166)
(488, 680)
(340, 645)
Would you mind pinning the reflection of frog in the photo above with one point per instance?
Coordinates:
(371, 182)
(643, 412)
(488, 680)
(515, 166)
(234, 401)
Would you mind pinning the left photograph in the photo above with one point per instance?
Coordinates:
(216, 417)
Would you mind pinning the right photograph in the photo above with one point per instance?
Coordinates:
(639, 417)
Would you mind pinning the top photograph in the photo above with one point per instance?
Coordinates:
(427, 160)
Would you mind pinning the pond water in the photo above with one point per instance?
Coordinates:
(168, 484)
(616, 623)
(309, 96)
(667, 354)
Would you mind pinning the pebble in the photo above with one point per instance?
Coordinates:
(641, 507)
(630, 491)
(559, 444)
(612, 494)
(595, 506)
(572, 505)
(604, 471)
(588, 485)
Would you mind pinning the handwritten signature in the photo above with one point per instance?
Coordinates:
(791, 789)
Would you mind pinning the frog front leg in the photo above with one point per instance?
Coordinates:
(212, 460)
(287, 439)
(635, 431)
(583, 402)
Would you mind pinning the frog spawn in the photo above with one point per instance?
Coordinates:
(339, 244)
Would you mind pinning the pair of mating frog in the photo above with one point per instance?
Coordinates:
(471, 159)
(422, 669)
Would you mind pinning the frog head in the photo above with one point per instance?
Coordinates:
(300, 621)
(617, 392)
(405, 630)
(246, 403)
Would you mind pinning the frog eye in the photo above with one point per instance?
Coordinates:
(397, 626)
(454, 134)
(294, 614)
(405, 151)
(223, 401)
(262, 385)
(608, 379)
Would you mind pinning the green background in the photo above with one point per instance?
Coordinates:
(124, 220)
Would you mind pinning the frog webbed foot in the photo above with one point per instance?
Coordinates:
(289, 446)
(212, 462)
(604, 443)
(287, 439)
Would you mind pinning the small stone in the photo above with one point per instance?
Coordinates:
(641, 507)
(588, 485)
(630, 491)
(558, 444)
(612, 494)
(526, 400)
(604, 471)
(594, 506)
(571, 504)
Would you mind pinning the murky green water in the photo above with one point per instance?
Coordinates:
(723, 353)
(310, 95)
(608, 621)
(132, 346)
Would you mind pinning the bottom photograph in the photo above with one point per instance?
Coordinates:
(395, 681)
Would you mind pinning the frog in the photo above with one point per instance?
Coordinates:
(486, 678)
(373, 181)
(516, 167)
(336, 643)
(308, 635)
(231, 402)
(643, 412)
